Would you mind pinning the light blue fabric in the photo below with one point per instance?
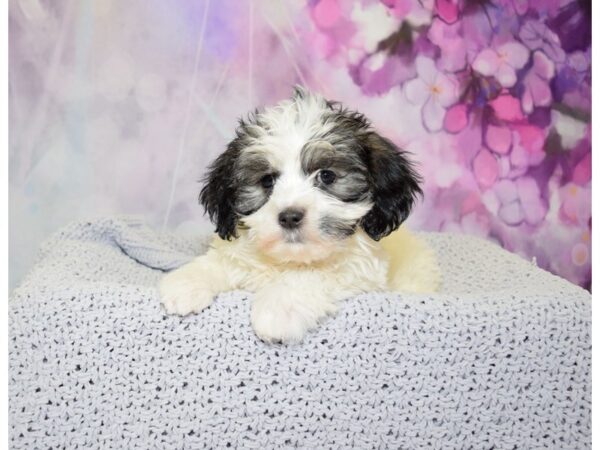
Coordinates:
(500, 358)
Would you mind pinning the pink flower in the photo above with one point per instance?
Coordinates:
(520, 201)
(580, 254)
(527, 148)
(452, 44)
(485, 168)
(537, 91)
(506, 107)
(530, 137)
(534, 207)
(474, 219)
(575, 203)
(326, 13)
(432, 90)
(502, 62)
(498, 139)
(447, 10)
(582, 173)
(456, 118)
(509, 208)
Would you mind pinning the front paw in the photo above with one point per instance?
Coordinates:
(182, 294)
(282, 321)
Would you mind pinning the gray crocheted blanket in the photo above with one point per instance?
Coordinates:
(499, 359)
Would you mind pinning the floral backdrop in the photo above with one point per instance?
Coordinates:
(117, 107)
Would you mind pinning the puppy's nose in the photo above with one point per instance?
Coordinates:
(291, 218)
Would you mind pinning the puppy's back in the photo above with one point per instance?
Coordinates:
(413, 264)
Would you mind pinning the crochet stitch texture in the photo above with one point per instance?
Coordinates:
(500, 358)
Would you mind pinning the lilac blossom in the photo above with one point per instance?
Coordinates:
(433, 90)
(502, 62)
(537, 83)
(494, 100)
(537, 36)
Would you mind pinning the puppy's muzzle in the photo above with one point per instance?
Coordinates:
(291, 218)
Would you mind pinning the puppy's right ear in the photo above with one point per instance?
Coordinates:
(219, 192)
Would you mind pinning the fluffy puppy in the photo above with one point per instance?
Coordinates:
(301, 199)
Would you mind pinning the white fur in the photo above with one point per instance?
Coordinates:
(292, 298)
(291, 125)
(299, 277)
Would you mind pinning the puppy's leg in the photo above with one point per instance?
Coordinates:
(290, 305)
(192, 287)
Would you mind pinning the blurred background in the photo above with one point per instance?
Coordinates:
(118, 107)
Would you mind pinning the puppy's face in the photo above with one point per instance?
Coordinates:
(303, 176)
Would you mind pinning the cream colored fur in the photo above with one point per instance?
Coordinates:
(291, 298)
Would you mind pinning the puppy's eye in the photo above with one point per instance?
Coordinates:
(327, 176)
(267, 181)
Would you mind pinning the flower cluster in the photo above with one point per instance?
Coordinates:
(505, 84)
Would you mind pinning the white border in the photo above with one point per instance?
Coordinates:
(4, 219)
(595, 210)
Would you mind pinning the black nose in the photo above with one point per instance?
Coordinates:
(291, 218)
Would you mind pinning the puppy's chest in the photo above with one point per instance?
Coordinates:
(354, 273)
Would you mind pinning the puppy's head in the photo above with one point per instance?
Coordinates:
(303, 176)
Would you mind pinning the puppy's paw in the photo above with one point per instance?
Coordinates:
(279, 316)
(183, 294)
(278, 322)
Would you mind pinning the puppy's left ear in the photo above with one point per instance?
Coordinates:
(219, 193)
(395, 186)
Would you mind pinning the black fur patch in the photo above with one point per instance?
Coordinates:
(226, 176)
(337, 228)
(219, 192)
(394, 184)
(351, 182)
(248, 172)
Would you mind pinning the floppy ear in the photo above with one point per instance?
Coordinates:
(395, 186)
(219, 193)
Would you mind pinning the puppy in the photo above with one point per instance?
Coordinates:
(301, 199)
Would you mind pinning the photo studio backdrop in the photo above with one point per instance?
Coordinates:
(118, 107)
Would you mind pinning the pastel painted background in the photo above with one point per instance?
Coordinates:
(117, 107)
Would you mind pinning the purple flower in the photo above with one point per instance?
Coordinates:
(519, 6)
(433, 91)
(545, 7)
(501, 62)
(376, 74)
(536, 83)
(573, 24)
(507, 82)
(452, 45)
(520, 200)
(580, 61)
(537, 36)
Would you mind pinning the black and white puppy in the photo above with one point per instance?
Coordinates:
(301, 199)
